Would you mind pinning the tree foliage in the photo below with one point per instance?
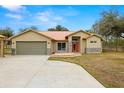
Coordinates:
(7, 32)
(31, 27)
(51, 29)
(111, 24)
(58, 28)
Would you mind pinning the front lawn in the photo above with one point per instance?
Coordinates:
(107, 68)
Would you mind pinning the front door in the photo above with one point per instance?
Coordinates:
(75, 47)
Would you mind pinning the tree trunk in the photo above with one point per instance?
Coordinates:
(106, 41)
(116, 43)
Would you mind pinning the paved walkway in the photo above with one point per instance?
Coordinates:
(65, 54)
(37, 71)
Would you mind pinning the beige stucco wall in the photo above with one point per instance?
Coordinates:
(31, 36)
(83, 45)
(54, 47)
(94, 47)
(98, 44)
(82, 35)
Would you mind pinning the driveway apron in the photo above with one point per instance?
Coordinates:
(37, 72)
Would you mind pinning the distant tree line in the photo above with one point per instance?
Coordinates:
(31, 27)
(58, 28)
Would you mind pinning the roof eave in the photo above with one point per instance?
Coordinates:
(28, 31)
(77, 32)
(97, 36)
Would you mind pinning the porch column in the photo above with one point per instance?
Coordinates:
(81, 45)
(70, 44)
(2, 47)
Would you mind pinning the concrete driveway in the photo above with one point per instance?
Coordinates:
(37, 71)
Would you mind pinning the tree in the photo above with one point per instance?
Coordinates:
(108, 21)
(89, 30)
(111, 25)
(119, 27)
(51, 29)
(7, 32)
(58, 28)
(32, 27)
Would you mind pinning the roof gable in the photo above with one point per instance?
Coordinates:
(1, 36)
(96, 36)
(80, 31)
(29, 31)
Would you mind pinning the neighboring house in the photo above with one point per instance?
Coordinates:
(32, 42)
(2, 45)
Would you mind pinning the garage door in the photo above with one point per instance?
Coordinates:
(31, 48)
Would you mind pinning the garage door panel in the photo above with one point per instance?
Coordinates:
(31, 48)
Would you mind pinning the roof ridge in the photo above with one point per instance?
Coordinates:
(55, 31)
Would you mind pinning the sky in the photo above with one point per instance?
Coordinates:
(73, 17)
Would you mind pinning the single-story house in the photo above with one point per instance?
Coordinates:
(32, 42)
(1, 45)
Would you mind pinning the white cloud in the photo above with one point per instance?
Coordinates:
(58, 18)
(14, 8)
(16, 11)
(15, 16)
(44, 16)
(70, 11)
(49, 17)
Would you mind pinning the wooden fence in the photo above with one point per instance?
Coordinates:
(113, 45)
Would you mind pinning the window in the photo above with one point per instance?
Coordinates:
(93, 42)
(61, 46)
(74, 39)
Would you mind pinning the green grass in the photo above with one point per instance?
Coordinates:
(107, 68)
